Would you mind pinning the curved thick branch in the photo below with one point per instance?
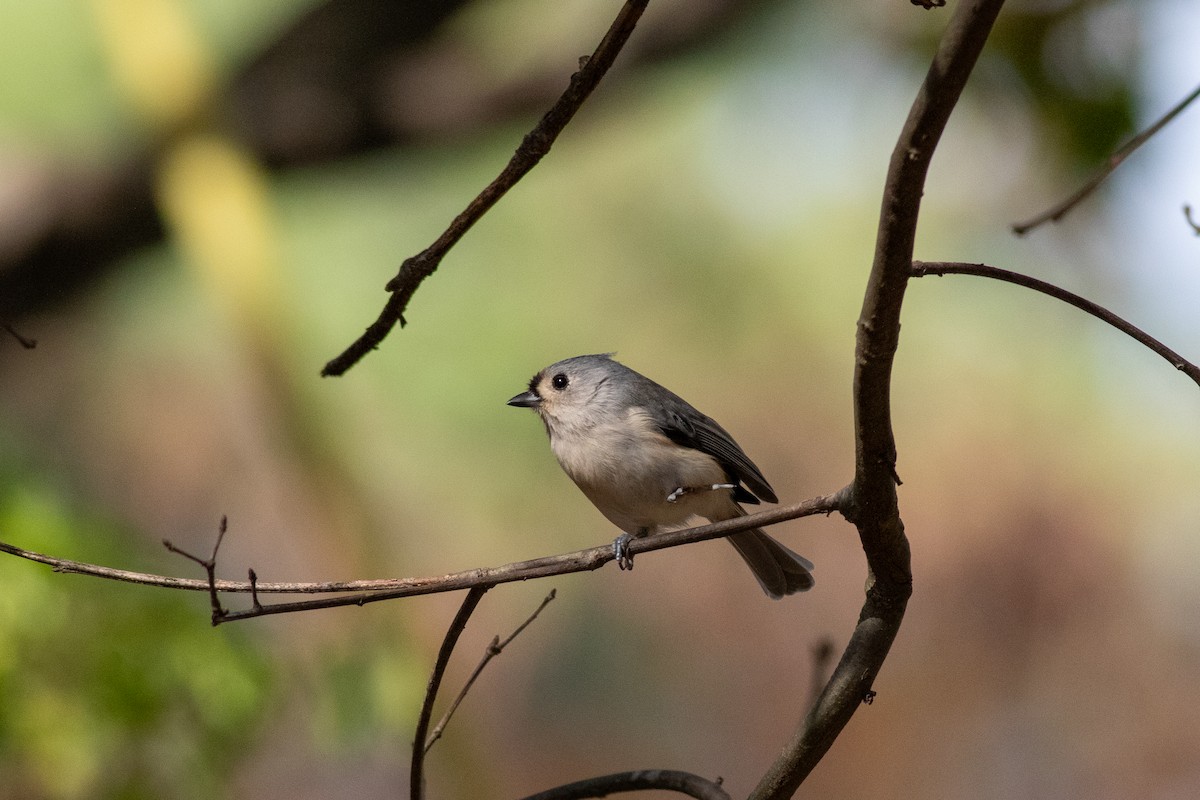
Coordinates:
(636, 780)
(873, 505)
(535, 145)
(922, 268)
(363, 592)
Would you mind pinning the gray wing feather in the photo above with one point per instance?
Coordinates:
(684, 425)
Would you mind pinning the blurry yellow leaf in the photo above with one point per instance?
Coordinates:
(215, 200)
(157, 57)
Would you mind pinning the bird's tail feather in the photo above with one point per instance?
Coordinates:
(779, 571)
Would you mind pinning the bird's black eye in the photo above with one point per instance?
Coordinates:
(559, 381)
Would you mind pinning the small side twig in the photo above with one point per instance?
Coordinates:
(27, 343)
(1115, 160)
(495, 648)
(254, 602)
(469, 604)
(921, 269)
(533, 147)
(210, 568)
(1187, 215)
(637, 780)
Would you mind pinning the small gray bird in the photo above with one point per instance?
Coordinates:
(647, 460)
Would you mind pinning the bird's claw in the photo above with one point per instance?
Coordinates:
(621, 551)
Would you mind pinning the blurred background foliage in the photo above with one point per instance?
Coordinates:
(200, 201)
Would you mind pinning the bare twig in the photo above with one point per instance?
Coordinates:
(1187, 215)
(535, 145)
(255, 602)
(363, 592)
(28, 344)
(68, 566)
(873, 506)
(495, 648)
(470, 602)
(637, 780)
(210, 567)
(1059, 211)
(921, 269)
(580, 561)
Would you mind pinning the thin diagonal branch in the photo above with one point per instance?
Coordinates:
(873, 506)
(921, 269)
(495, 648)
(1115, 160)
(637, 780)
(25, 342)
(470, 602)
(535, 145)
(363, 592)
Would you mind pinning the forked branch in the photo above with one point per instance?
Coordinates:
(495, 648)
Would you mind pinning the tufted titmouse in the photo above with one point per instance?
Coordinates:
(647, 459)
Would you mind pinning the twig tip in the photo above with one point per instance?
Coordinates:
(24, 341)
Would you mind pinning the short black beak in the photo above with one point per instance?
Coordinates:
(526, 400)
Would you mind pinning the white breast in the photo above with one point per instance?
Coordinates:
(627, 468)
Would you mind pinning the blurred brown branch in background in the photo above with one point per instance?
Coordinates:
(822, 657)
(25, 342)
(337, 81)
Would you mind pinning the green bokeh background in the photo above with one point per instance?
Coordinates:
(709, 217)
